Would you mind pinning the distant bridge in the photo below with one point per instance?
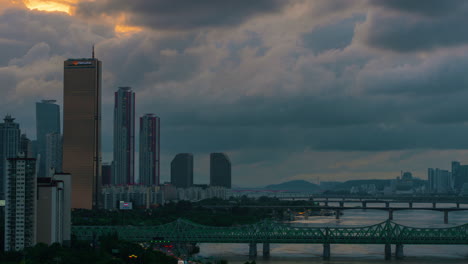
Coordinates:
(266, 232)
(429, 198)
(340, 208)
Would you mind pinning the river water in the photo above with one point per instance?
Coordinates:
(356, 254)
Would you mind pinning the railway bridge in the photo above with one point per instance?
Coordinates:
(268, 232)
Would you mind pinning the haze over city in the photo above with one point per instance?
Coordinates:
(329, 90)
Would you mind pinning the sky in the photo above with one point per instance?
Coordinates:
(323, 90)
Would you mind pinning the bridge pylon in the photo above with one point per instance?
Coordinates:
(252, 250)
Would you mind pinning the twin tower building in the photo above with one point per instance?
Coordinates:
(82, 140)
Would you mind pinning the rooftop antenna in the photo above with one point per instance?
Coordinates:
(93, 51)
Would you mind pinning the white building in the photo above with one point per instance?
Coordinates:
(199, 193)
(54, 209)
(20, 203)
(140, 196)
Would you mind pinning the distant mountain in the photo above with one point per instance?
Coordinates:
(298, 185)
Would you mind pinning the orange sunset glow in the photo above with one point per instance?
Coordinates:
(65, 6)
(50, 6)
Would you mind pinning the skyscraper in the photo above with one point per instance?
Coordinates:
(47, 121)
(220, 170)
(9, 147)
(149, 149)
(20, 204)
(82, 130)
(124, 137)
(182, 170)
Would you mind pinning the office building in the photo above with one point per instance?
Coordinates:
(53, 154)
(124, 137)
(106, 174)
(82, 130)
(20, 203)
(47, 121)
(220, 170)
(182, 170)
(9, 147)
(149, 150)
(53, 209)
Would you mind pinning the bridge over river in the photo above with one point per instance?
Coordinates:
(266, 232)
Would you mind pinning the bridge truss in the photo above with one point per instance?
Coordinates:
(267, 231)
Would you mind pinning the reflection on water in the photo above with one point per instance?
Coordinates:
(356, 254)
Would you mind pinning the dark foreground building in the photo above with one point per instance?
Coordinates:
(220, 170)
(82, 130)
(182, 170)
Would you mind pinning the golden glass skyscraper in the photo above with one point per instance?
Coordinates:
(82, 130)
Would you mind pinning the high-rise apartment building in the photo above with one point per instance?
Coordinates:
(47, 121)
(439, 180)
(124, 137)
(9, 147)
(459, 176)
(182, 170)
(53, 154)
(455, 175)
(149, 150)
(82, 130)
(220, 170)
(20, 203)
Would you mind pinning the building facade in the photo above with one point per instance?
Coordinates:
(182, 170)
(20, 203)
(124, 137)
(149, 150)
(53, 152)
(47, 121)
(9, 147)
(220, 170)
(82, 130)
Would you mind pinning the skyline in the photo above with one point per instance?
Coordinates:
(287, 106)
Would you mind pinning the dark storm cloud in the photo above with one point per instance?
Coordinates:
(21, 29)
(424, 7)
(411, 26)
(181, 14)
(304, 111)
(332, 36)
(439, 75)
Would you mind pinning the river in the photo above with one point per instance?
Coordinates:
(356, 254)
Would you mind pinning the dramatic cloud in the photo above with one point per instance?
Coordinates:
(428, 8)
(413, 26)
(289, 89)
(181, 14)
